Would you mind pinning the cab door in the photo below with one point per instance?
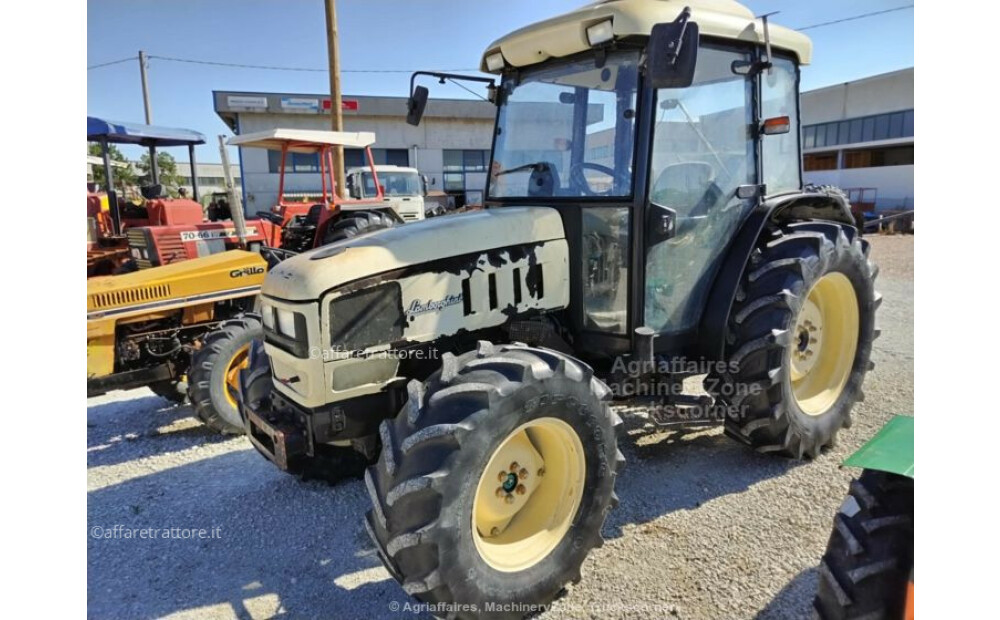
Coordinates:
(703, 151)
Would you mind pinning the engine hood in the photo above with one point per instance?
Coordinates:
(307, 276)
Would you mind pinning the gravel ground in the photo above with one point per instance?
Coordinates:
(706, 528)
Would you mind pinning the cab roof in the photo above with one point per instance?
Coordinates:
(566, 34)
(303, 140)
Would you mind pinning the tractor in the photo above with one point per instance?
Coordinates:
(867, 570)
(109, 216)
(305, 225)
(645, 222)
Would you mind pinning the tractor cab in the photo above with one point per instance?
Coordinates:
(110, 216)
(307, 223)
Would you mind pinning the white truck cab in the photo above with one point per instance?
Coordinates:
(403, 188)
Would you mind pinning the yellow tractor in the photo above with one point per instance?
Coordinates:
(183, 330)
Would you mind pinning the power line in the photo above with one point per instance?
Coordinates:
(113, 62)
(279, 68)
(862, 16)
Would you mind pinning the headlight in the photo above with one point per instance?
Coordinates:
(494, 62)
(601, 32)
(286, 322)
(291, 335)
(267, 315)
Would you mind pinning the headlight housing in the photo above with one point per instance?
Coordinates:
(495, 62)
(286, 329)
(601, 32)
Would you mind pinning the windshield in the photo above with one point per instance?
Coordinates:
(567, 130)
(395, 183)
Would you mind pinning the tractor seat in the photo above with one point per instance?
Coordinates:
(689, 188)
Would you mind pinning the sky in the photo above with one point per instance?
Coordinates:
(393, 35)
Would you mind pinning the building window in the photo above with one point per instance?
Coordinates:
(353, 158)
(458, 163)
(820, 161)
(890, 126)
(876, 158)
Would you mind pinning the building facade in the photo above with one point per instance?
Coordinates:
(859, 137)
(450, 147)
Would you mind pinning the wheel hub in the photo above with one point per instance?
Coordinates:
(239, 361)
(822, 352)
(528, 494)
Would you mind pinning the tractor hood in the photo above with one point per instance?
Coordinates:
(307, 276)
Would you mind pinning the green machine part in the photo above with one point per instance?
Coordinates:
(890, 450)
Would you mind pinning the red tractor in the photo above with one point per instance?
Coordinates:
(292, 225)
(109, 217)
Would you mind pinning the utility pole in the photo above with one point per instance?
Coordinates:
(336, 106)
(149, 116)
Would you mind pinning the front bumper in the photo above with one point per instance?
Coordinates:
(288, 435)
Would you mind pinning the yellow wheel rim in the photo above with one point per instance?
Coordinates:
(528, 494)
(239, 361)
(824, 342)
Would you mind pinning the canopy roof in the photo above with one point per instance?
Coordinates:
(135, 133)
(303, 140)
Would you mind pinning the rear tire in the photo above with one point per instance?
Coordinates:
(869, 559)
(357, 223)
(787, 389)
(214, 371)
(443, 445)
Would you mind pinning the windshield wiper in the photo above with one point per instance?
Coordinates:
(538, 166)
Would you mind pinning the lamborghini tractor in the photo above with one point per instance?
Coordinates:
(645, 222)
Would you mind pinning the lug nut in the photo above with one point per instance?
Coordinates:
(522, 474)
(509, 499)
(541, 472)
(501, 492)
(514, 466)
(495, 531)
(501, 476)
(520, 490)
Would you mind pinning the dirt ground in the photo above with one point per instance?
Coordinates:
(706, 528)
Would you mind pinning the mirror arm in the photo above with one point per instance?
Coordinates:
(682, 21)
(490, 82)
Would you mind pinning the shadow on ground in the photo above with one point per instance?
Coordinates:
(276, 544)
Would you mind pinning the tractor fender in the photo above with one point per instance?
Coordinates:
(890, 450)
(827, 204)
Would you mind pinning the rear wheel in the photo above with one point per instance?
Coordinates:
(351, 225)
(494, 480)
(800, 339)
(214, 373)
(868, 563)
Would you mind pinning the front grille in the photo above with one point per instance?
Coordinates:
(136, 238)
(124, 297)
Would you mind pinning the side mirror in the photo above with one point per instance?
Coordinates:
(416, 104)
(673, 53)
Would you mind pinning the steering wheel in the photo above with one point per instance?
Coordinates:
(578, 179)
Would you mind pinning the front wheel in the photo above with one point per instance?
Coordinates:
(214, 373)
(800, 339)
(494, 480)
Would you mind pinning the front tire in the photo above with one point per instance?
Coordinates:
(213, 377)
(800, 339)
(434, 489)
(869, 559)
